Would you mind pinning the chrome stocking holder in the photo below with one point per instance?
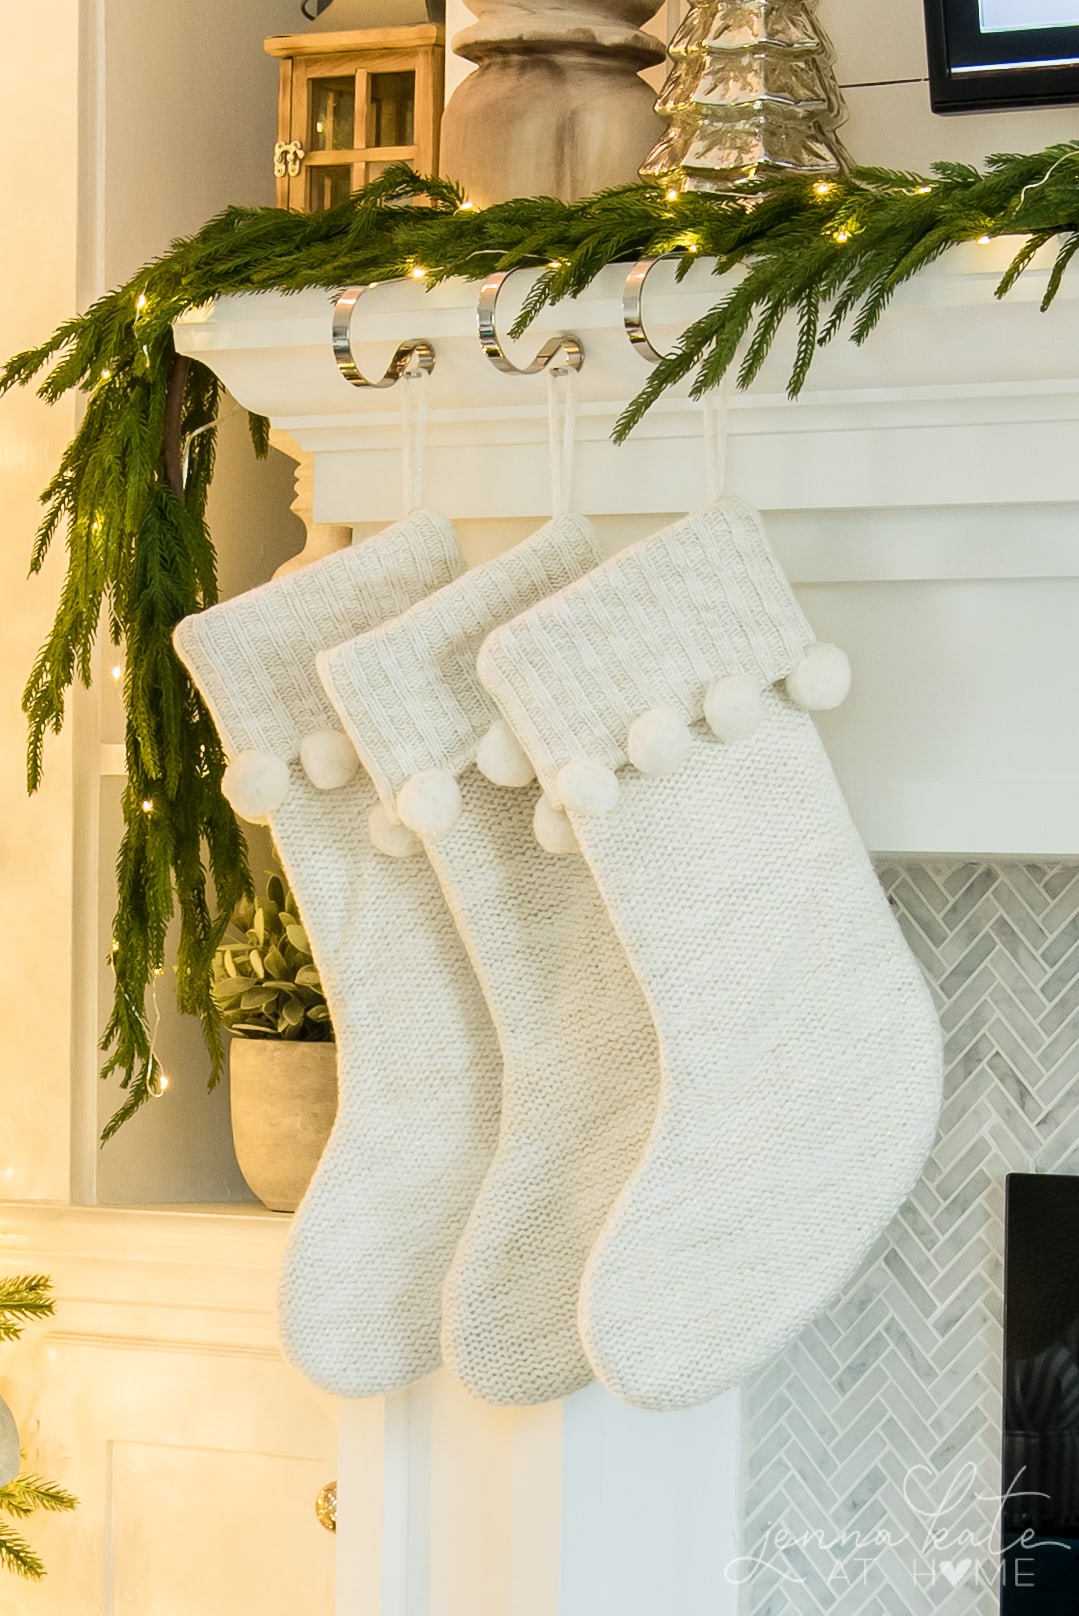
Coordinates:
(633, 311)
(414, 357)
(564, 352)
(560, 353)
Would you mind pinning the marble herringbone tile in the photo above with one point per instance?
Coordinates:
(897, 1387)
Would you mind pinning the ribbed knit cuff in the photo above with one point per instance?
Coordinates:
(253, 658)
(654, 627)
(408, 694)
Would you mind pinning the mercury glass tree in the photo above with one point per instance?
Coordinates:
(751, 94)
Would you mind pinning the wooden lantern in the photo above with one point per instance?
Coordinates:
(349, 104)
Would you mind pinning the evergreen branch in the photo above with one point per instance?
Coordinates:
(129, 494)
(1022, 261)
(29, 1493)
(18, 1557)
(23, 1299)
(1056, 275)
(259, 428)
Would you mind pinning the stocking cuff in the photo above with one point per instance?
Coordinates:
(408, 693)
(253, 658)
(702, 607)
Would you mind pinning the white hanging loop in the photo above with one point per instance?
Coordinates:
(715, 409)
(562, 434)
(413, 437)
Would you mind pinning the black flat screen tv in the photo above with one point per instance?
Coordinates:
(994, 54)
(1039, 1574)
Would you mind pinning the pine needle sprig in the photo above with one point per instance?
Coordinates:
(17, 1557)
(23, 1300)
(129, 495)
(21, 1498)
(28, 1494)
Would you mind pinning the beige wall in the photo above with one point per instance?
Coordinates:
(882, 67)
(121, 135)
(38, 91)
(186, 125)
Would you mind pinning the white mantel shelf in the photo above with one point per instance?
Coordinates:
(922, 493)
(957, 399)
(168, 1277)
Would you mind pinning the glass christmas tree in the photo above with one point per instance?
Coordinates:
(751, 95)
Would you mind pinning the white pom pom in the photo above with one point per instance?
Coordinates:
(396, 841)
(821, 680)
(430, 802)
(501, 758)
(659, 741)
(255, 784)
(329, 759)
(552, 829)
(733, 707)
(587, 787)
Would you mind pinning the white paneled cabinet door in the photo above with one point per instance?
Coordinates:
(158, 1396)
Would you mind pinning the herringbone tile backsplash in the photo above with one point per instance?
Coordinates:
(874, 1442)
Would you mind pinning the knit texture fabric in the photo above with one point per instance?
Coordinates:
(801, 1054)
(581, 1065)
(417, 1057)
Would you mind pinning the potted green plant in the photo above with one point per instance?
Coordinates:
(282, 1057)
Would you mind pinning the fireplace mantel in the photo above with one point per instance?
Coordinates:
(922, 494)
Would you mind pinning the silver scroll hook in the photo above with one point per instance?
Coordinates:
(411, 358)
(633, 312)
(564, 352)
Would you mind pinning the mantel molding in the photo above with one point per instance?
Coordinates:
(958, 399)
(159, 1279)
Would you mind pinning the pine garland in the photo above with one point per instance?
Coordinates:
(130, 492)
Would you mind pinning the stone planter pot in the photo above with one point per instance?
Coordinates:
(10, 1458)
(284, 1100)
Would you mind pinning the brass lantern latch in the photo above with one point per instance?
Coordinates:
(287, 157)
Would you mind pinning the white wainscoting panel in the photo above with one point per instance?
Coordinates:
(159, 1397)
(215, 1531)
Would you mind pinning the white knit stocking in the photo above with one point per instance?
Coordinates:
(581, 1063)
(418, 1063)
(801, 1054)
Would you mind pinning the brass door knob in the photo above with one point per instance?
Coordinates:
(326, 1507)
